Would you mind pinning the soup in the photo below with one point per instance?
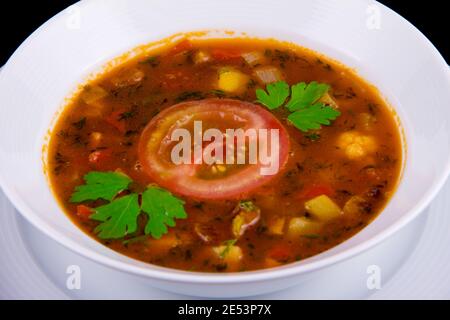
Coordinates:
(323, 159)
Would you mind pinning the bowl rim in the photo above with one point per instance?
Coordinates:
(174, 275)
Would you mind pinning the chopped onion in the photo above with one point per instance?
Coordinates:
(268, 74)
(201, 57)
(248, 215)
(253, 58)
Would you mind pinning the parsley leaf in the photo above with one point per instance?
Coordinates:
(275, 96)
(303, 95)
(307, 112)
(100, 185)
(118, 217)
(162, 208)
(313, 117)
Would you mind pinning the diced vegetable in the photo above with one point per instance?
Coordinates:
(84, 212)
(92, 94)
(367, 121)
(247, 216)
(301, 226)
(204, 232)
(355, 205)
(253, 58)
(268, 74)
(323, 208)
(316, 190)
(129, 78)
(99, 157)
(356, 145)
(164, 244)
(226, 55)
(201, 56)
(276, 226)
(115, 119)
(328, 100)
(280, 252)
(95, 139)
(232, 81)
(229, 254)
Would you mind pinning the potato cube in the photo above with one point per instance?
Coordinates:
(323, 208)
(232, 81)
(300, 226)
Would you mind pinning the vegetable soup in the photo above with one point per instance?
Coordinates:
(335, 156)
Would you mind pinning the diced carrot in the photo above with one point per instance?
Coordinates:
(183, 45)
(280, 253)
(316, 190)
(228, 55)
(99, 157)
(115, 120)
(84, 211)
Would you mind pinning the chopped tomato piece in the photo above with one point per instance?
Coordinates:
(115, 119)
(316, 190)
(280, 253)
(183, 45)
(84, 211)
(100, 157)
(223, 55)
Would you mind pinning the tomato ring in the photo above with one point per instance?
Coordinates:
(184, 179)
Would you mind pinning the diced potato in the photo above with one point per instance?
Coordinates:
(201, 56)
(232, 81)
(323, 208)
(164, 244)
(276, 226)
(354, 205)
(301, 226)
(367, 121)
(328, 100)
(356, 145)
(232, 256)
(91, 94)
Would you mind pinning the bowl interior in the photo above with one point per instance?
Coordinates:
(388, 52)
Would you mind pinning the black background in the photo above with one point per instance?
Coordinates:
(21, 17)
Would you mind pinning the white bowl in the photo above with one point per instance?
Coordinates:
(383, 47)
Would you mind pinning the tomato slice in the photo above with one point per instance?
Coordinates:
(200, 181)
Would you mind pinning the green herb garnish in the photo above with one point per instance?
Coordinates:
(162, 209)
(313, 117)
(100, 185)
(228, 244)
(247, 206)
(313, 136)
(304, 95)
(119, 217)
(275, 96)
(307, 112)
